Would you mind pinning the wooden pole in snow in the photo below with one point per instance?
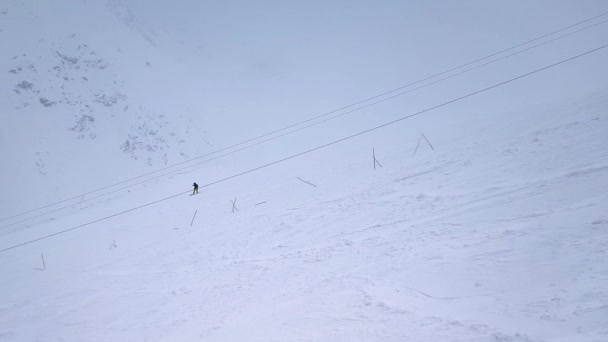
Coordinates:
(234, 205)
(193, 217)
(416, 150)
(428, 142)
(306, 182)
(375, 160)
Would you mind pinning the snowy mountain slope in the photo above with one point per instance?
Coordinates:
(498, 234)
(498, 238)
(72, 99)
(155, 83)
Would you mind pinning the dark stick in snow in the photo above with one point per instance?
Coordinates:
(43, 264)
(427, 140)
(416, 150)
(193, 217)
(306, 182)
(375, 160)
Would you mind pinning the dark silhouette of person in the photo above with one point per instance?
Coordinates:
(195, 191)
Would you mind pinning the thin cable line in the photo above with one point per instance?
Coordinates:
(310, 125)
(308, 120)
(408, 116)
(89, 223)
(322, 146)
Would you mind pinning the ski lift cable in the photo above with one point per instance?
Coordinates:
(303, 122)
(319, 147)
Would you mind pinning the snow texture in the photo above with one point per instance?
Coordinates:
(497, 232)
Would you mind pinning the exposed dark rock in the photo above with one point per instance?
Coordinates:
(45, 102)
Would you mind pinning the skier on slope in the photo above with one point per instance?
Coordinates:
(195, 191)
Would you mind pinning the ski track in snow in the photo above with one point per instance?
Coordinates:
(503, 241)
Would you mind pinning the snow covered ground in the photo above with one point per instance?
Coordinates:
(501, 237)
(497, 232)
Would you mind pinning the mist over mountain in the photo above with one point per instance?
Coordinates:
(129, 86)
(482, 219)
